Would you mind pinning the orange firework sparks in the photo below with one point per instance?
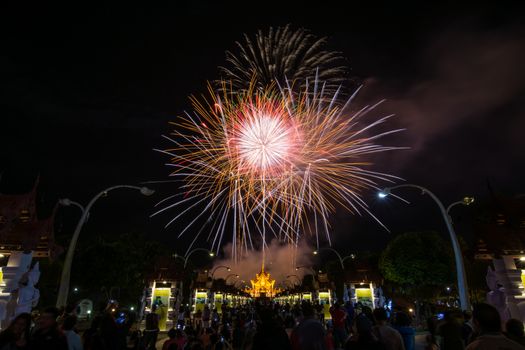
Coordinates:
(272, 160)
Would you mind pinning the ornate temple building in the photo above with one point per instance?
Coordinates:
(23, 236)
(262, 286)
(22, 230)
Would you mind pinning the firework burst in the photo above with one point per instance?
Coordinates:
(271, 161)
(281, 54)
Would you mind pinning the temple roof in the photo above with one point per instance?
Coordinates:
(21, 229)
(263, 285)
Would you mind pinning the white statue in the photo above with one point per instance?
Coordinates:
(28, 295)
(496, 297)
(380, 300)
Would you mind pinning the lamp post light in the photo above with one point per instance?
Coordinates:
(65, 278)
(460, 266)
(341, 259)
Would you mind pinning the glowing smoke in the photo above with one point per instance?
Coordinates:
(279, 262)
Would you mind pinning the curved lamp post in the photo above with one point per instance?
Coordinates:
(240, 281)
(298, 279)
(186, 257)
(231, 274)
(63, 290)
(460, 266)
(220, 267)
(341, 259)
(286, 282)
(314, 273)
(177, 256)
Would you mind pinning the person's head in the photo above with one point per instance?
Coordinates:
(367, 311)
(47, 319)
(179, 334)
(486, 318)
(380, 315)
(452, 316)
(69, 323)
(363, 324)
(308, 310)
(20, 325)
(402, 319)
(514, 328)
(70, 308)
(172, 333)
(108, 326)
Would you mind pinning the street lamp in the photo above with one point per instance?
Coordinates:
(460, 266)
(177, 256)
(220, 267)
(314, 273)
(298, 279)
(286, 281)
(236, 282)
(65, 278)
(341, 259)
(231, 274)
(186, 257)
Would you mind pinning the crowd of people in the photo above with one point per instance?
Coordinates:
(302, 326)
(266, 325)
(299, 326)
(44, 333)
(481, 329)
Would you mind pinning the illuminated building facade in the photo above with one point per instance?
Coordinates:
(262, 286)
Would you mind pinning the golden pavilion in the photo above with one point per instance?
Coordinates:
(262, 286)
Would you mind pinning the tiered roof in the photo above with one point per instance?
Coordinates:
(22, 230)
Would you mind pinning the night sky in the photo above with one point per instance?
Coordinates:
(87, 92)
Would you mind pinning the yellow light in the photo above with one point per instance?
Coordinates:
(315, 252)
(212, 254)
(522, 258)
(164, 282)
(2, 256)
(468, 200)
(112, 310)
(411, 310)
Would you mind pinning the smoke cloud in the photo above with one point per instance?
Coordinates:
(465, 80)
(281, 261)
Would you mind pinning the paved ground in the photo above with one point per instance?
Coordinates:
(420, 341)
(161, 339)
